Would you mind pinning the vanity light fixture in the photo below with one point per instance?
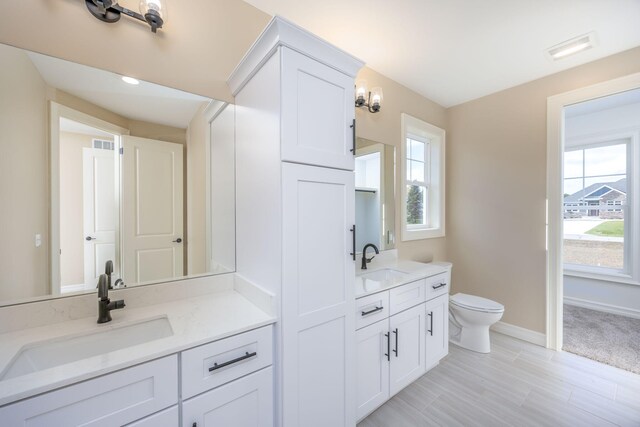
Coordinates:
(373, 101)
(571, 47)
(130, 80)
(153, 12)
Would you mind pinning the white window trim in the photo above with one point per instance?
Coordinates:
(421, 130)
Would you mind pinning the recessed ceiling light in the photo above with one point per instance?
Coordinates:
(571, 47)
(130, 80)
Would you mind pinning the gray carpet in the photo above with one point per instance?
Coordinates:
(605, 337)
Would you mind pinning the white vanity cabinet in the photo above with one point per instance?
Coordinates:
(295, 218)
(437, 329)
(226, 382)
(395, 351)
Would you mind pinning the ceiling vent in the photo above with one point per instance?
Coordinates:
(571, 47)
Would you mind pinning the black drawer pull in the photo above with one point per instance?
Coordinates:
(231, 362)
(430, 330)
(438, 286)
(375, 310)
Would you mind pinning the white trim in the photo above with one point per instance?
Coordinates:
(412, 127)
(599, 306)
(537, 338)
(56, 111)
(281, 32)
(555, 147)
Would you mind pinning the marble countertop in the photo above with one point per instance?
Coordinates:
(414, 271)
(194, 321)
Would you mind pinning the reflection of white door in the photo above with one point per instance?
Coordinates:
(99, 211)
(152, 210)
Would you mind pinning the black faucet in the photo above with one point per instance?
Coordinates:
(108, 270)
(366, 260)
(104, 303)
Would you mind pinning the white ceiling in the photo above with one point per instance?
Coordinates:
(453, 51)
(148, 102)
(606, 102)
(67, 125)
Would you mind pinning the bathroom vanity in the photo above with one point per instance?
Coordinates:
(197, 361)
(402, 327)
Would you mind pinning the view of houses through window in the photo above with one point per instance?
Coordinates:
(595, 205)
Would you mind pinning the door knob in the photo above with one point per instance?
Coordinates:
(89, 238)
(178, 240)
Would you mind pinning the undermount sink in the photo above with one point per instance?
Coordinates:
(48, 354)
(385, 274)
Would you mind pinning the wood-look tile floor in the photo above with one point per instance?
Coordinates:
(517, 384)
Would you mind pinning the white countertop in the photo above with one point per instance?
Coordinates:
(194, 321)
(415, 271)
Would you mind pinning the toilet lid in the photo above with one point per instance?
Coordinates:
(473, 302)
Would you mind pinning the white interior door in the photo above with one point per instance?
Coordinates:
(100, 213)
(152, 213)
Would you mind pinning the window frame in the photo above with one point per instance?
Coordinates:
(630, 273)
(434, 184)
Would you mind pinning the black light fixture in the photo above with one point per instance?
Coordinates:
(153, 12)
(374, 99)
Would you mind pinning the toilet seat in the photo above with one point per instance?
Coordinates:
(475, 303)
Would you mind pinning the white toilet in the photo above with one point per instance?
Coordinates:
(470, 318)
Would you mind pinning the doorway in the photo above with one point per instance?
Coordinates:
(593, 224)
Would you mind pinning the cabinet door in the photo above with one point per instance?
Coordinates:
(373, 348)
(114, 399)
(318, 297)
(437, 329)
(246, 402)
(317, 113)
(407, 347)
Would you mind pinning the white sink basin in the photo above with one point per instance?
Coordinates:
(384, 275)
(48, 354)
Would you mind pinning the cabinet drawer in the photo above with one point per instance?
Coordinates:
(407, 296)
(372, 308)
(214, 364)
(167, 418)
(114, 399)
(437, 285)
(246, 402)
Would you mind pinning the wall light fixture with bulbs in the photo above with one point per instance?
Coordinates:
(373, 102)
(153, 12)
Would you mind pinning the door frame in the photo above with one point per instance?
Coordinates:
(555, 150)
(56, 112)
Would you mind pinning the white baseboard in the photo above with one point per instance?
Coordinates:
(598, 306)
(523, 334)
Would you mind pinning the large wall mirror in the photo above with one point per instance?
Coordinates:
(97, 168)
(375, 195)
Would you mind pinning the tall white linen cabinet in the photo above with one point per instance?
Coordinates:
(295, 134)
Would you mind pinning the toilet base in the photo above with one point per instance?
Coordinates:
(472, 338)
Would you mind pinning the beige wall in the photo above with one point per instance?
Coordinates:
(385, 127)
(201, 43)
(23, 177)
(496, 179)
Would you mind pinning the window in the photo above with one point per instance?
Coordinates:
(596, 178)
(423, 179)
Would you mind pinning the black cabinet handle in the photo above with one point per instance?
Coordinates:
(431, 322)
(353, 232)
(89, 238)
(396, 349)
(178, 240)
(353, 127)
(194, 425)
(438, 286)
(247, 355)
(388, 353)
(375, 310)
